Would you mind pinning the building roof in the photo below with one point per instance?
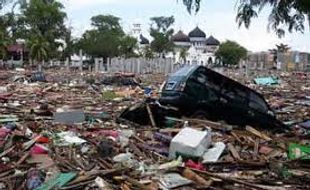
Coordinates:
(143, 40)
(212, 41)
(197, 33)
(15, 48)
(180, 37)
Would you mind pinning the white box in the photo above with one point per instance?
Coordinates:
(191, 142)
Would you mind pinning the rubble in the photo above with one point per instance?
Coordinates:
(96, 149)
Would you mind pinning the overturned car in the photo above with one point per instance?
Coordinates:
(198, 92)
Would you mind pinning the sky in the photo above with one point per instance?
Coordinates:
(216, 17)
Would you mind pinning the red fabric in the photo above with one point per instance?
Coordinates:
(193, 165)
(42, 140)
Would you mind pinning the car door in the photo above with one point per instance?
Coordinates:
(234, 103)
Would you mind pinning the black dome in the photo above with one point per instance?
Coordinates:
(212, 41)
(144, 40)
(197, 33)
(180, 37)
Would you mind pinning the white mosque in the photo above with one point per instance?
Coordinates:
(199, 49)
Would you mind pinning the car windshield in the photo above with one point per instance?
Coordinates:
(184, 71)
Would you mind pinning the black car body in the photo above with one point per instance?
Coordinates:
(203, 93)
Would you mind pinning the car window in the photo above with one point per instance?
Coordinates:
(234, 93)
(184, 71)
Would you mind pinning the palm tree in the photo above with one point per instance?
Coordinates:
(39, 48)
(274, 53)
(283, 48)
(183, 54)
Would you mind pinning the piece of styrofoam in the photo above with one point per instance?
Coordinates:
(191, 142)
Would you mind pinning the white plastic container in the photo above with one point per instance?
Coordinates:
(190, 142)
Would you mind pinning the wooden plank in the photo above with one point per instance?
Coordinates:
(257, 133)
(233, 151)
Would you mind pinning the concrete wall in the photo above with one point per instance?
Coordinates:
(142, 65)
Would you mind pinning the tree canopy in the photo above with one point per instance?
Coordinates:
(107, 23)
(107, 38)
(38, 22)
(45, 18)
(231, 53)
(161, 32)
(286, 14)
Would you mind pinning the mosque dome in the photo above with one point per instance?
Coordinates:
(211, 41)
(197, 33)
(180, 37)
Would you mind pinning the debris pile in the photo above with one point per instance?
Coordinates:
(66, 133)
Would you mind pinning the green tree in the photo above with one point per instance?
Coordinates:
(15, 26)
(231, 53)
(105, 39)
(128, 46)
(161, 33)
(148, 53)
(4, 37)
(282, 48)
(4, 42)
(39, 48)
(284, 14)
(44, 18)
(183, 54)
(107, 23)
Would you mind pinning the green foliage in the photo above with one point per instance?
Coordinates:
(148, 53)
(284, 14)
(161, 33)
(45, 17)
(231, 53)
(109, 95)
(282, 48)
(3, 44)
(192, 5)
(291, 13)
(44, 20)
(128, 46)
(39, 48)
(4, 38)
(162, 24)
(107, 39)
(183, 54)
(9, 22)
(100, 44)
(107, 23)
